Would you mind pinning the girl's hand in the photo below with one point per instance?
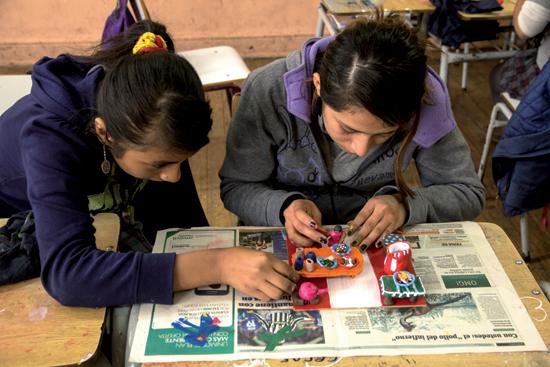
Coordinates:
(303, 223)
(256, 273)
(381, 215)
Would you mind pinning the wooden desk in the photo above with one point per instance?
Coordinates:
(352, 8)
(506, 13)
(37, 331)
(536, 304)
(451, 57)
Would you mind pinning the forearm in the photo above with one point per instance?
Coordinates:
(197, 269)
(445, 203)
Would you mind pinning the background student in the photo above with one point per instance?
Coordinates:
(530, 19)
(112, 132)
(324, 135)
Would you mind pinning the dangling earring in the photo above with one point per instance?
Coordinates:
(105, 165)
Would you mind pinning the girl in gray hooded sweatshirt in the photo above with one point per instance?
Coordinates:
(323, 136)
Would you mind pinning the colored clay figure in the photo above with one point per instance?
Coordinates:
(401, 284)
(392, 238)
(309, 265)
(309, 292)
(398, 257)
(311, 255)
(340, 249)
(299, 263)
(348, 261)
(327, 262)
(335, 235)
(403, 278)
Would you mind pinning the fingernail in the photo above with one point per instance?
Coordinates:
(364, 247)
(354, 243)
(312, 224)
(323, 240)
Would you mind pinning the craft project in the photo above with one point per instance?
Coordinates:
(338, 260)
(398, 257)
(335, 235)
(399, 280)
(308, 293)
(388, 265)
(401, 284)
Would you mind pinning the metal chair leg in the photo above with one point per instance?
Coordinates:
(493, 123)
(465, 66)
(524, 232)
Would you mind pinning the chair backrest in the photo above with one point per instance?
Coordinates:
(12, 88)
(140, 9)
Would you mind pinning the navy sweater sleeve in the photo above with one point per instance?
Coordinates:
(73, 271)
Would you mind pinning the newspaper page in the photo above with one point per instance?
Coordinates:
(471, 307)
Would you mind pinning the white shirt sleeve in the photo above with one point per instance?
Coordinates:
(533, 17)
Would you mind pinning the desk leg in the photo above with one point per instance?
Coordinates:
(524, 232)
(444, 63)
(424, 22)
(320, 23)
(512, 40)
(465, 66)
(120, 317)
(132, 323)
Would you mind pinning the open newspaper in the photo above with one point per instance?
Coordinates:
(471, 307)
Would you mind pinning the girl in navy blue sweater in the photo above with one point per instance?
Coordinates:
(113, 132)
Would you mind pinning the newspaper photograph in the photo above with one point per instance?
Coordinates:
(471, 306)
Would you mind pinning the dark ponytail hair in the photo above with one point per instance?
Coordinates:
(150, 99)
(378, 64)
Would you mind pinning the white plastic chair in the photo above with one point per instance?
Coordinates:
(218, 67)
(506, 108)
(493, 123)
(13, 87)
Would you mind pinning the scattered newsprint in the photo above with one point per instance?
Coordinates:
(472, 306)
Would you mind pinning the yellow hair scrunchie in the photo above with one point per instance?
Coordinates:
(149, 42)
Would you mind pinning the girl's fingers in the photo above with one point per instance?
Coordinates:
(257, 293)
(286, 271)
(357, 223)
(368, 226)
(306, 226)
(377, 232)
(297, 238)
(282, 284)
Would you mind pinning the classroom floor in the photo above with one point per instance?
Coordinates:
(471, 107)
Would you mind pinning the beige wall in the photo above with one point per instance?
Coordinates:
(34, 28)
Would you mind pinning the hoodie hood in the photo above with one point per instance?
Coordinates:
(436, 116)
(65, 87)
